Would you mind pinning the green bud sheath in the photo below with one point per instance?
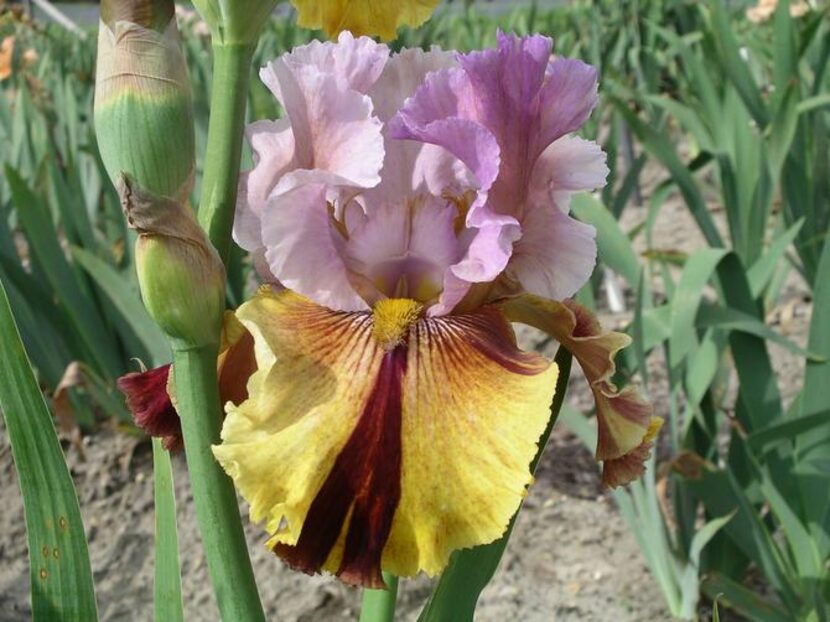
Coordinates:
(144, 123)
(143, 104)
(181, 276)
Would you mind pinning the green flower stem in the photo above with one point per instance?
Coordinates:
(228, 99)
(197, 394)
(379, 605)
(217, 512)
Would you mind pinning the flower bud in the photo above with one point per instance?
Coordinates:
(363, 17)
(143, 104)
(233, 22)
(181, 276)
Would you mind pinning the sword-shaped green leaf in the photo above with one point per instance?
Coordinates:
(167, 583)
(61, 577)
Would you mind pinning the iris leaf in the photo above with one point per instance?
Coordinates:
(737, 597)
(814, 445)
(60, 572)
(71, 291)
(167, 583)
(614, 247)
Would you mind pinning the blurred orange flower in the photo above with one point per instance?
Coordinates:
(6, 52)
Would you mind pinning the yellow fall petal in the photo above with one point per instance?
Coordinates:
(624, 418)
(474, 409)
(363, 17)
(360, 456)
(280, 443)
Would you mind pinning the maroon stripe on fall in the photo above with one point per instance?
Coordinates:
(366, 480)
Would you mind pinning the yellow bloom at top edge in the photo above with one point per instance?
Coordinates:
(363, 17)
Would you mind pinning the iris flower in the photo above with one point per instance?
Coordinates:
(363, 17)
(405, 211)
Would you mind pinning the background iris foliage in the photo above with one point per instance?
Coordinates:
(735, 117)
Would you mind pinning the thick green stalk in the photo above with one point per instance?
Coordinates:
(229, 96)
(379, 605)
(197, 401)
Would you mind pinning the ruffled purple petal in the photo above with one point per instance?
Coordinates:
(566, 100)
(511, 102)
(440, 113)
(412, 168)
(555, 255)
(567, 166)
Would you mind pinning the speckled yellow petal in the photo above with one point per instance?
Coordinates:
(363, 454)
(474, 409)
(624, 418)
(363, 17)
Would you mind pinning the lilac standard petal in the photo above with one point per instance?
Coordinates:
(517, 97)
(566, 100)
(487, 252)
(506, 82)
(272, 144)
(402, 76)
(304, 249)
(334, 129)
(329, 137)
(355, 63)
(412, 167)
(441, 113)
(556, 254)
(567, 166)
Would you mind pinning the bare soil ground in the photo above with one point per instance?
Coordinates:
(571, 557)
